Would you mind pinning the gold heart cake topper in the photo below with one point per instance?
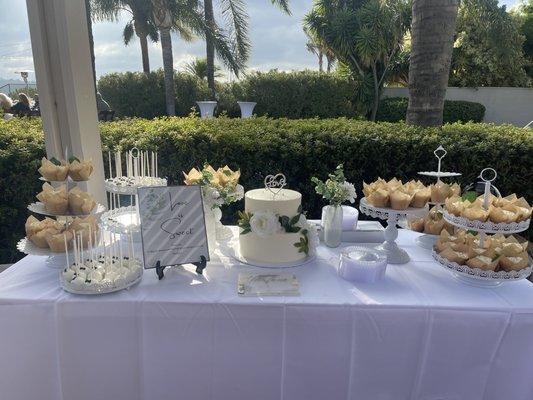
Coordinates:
(275, 183)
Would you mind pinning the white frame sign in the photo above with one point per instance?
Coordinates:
(173, 228)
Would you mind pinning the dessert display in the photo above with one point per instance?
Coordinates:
(72, 208)
(52, 234)
(441, 191)
(92, 272)
(506, 210)
(273, 229)
(396, 195)
(141, 170)
(54, 170)
(496, 253)
(432, 224)
(481, 259)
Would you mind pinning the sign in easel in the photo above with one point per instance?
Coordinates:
(172, 227)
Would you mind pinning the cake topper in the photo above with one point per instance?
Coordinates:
(275, 183)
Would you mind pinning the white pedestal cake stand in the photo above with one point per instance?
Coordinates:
(395, 255)
(476, 276)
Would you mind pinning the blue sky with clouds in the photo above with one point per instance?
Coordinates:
(277, 41)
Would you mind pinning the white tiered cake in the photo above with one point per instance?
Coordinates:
(273, 229)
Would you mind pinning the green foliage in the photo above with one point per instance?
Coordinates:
(334, 188)
(393, 109)
(488, 47)
(366, 36)
(261, 146)
(143, 95)
(300, 94)
(198, 68)
(525, 17)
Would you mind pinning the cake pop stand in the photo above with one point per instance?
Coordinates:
(39, 208)
(122, 221)
(395, 255)
(476, 276)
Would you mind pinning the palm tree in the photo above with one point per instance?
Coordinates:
(235, 32)
(140, 24)
(320, 49)
(198, 68)
(432, 35)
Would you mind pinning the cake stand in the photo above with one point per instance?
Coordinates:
(440, 153)
(476, 276)
(122, 221)
(424, 240)
(395, 255)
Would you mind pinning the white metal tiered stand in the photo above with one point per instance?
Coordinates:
(426, 240)
(54, 260)
(476, 276)
(141, 170)
(395, 255)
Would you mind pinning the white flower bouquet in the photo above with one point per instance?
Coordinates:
(335, 189)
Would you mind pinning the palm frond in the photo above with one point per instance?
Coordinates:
(128, 33)
(283, 5)
(236, 20)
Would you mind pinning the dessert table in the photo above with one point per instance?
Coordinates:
(417, 334)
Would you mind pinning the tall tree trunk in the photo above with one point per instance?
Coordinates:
(168, 68)
(329, 61)
(210, 46)
(144, 53)
(432, 32)
(377, 93)
(320, 61)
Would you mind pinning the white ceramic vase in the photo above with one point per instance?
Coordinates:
(211, 228)
(207, 108)
(247, 108)
(332, 225)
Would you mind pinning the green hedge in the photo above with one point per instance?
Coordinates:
(394, 109)
(303, 94)
(258, 146)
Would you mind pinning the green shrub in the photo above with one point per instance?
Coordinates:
(137, 94)
(303, 94)
(258, 146)
(394, 109)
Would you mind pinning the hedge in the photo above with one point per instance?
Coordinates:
(303, 94)
(394, 109)
(258, 146)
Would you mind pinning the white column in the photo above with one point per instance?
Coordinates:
(63, 69)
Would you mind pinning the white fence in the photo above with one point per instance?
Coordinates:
(503, 104)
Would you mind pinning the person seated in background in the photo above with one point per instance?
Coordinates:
(22, 107)
(5, 104)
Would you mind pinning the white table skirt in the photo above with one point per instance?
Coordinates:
(418, 334)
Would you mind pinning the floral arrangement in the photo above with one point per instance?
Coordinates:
(267, 223)
(336, 189)
(219, 186)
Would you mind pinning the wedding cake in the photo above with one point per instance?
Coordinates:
(273, 228)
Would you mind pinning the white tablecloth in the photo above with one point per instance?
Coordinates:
(418, 334)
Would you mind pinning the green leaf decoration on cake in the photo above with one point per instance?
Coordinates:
(244, 222)
(303, 244)
(73, 158)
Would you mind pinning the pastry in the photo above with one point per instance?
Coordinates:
(454, 256)
(53, 169)
(56, 240)
(55, 200)
(80, 202)
(80, 170)
(475, 211)
(514, 263)
(421, 197)
(483, 262)
(379, 198)
(399, 200)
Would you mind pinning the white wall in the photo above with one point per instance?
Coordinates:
(503, 104)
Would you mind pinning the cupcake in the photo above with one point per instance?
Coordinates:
(399, 200)
(483, 262)
(514, 263)
(421, 197)
(53, 169)
(80, 170)
(56, 241)
(55, 200)
(80, 202)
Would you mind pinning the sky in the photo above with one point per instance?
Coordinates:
(277, 41)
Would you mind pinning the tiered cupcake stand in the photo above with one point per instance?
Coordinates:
(426, 240)
(476, 276)
(54, 260)
(395, 254)
(141, 171)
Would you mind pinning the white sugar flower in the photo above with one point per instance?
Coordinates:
(349, 189)
(265, 223)
(313, 238)
(302, 222)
